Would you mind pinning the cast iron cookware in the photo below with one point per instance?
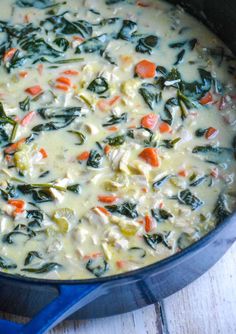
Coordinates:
(49, 302)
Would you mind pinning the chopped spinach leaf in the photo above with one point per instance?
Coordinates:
(115, 141)
(127, 209)
(153, 240)
(97, 267)
(40, 4)
(116, 119)
(214, 154)
(25, 104)
(146, 44)
(150, 94)
(98, 85)
(128, 29)
(221, 211)
(179, 57)
(94, 44)
(30, 257)
(95, 159)
(75, 188)
(45, 268)
(62, 43)
(160, 214)
(157, 184)
(167, 112)
(189, 199)
(6, 263)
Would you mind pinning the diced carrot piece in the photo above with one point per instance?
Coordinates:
(17, 203)
(17, 211)
(9, 54)
(83, 156)
(208, 98)
(40, 69)
(107, 198)
(8, 158)
(71, 72)
(128, 60)
(43, 152)
(78, 38)
(165, 127)
(14, 147)
(183, 173)
(142, 4)
(148, 223)
(64, 80)
(145, 69)
(214, 172)
(62, 87)
(26, 18)
(23, 74)
(112, 128)
(113, 100)
(211, 133)
(107, 149)
(120, 264)
(144, 190)
(150, 155)
(34, 90)
(149, 121)
(102, 105)
(28, 118)
(92, 256)
(103, 210)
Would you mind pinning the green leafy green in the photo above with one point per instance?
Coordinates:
(31, 256)
(94, 44)
(127, 209)
(127, 30)
(98, 85)
(115, 141)
(45, 268)
(116, 119)
(151, 95)
(25, 104)
(221, 211)
(6, 263)
(97, 267)
(147, 44)
(189, 199)
(95, 159)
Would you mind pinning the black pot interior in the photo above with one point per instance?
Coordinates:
(219, 16)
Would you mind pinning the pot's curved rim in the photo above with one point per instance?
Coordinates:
(134, 274)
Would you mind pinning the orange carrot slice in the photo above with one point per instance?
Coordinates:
(150, 155)
(165, 127)
(211, 133)
(145, 69)
(14, 147)
(9, 54)
(107, 198)
(149, 121)
(43, 152)
(83, 156)
(208, 98)
(28, 118)
(148, 223)
(34, 90)
(64, 80)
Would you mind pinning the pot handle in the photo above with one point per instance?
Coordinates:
(69, 300)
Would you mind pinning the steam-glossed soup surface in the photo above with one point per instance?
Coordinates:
(117, 134)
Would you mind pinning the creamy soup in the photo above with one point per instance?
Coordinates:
(117, 133)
